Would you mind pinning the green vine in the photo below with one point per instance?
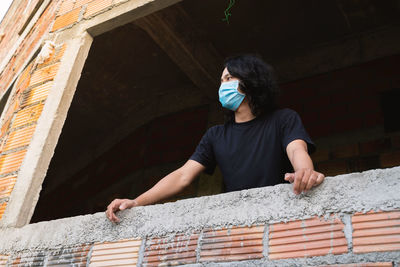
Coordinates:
(227, 11)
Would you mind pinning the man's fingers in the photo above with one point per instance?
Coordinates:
(114, 218)
(289, 177)
(297, 180)
(320, 179)
(304, 181)
(111, 209)
(311, 182)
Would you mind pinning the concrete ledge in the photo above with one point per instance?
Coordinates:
(341, 196)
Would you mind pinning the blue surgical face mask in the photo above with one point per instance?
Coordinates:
(229, 96)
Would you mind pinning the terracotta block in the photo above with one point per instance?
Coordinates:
(376, 231)
(236, 243)
(306, 238)
(6, 186)
(25, 75)
(124, 252)
(73, 256)
(390, 159)
(27, 115)
(23, 86)
(36, 94)
(5, 127)
(11, 162)
(29, 259)
(96, 6)
(2, 208)
(80, 3)
(309, 253)
(66, 6)
(3, 260)
(177, 250)
(19, 138)
(363, 264)
(44, 74)
(60, 52)
(66, 19)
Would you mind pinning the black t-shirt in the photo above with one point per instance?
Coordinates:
(252, 154)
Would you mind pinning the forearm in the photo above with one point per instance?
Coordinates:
(170, 185)
(301, 160)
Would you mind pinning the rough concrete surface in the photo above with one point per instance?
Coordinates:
(343, 194)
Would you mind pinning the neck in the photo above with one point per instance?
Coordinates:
(243, 113)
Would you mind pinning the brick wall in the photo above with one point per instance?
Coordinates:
(346, 104)
(212, 230)
(20, 118)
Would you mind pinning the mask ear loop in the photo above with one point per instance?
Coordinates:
(241, 86)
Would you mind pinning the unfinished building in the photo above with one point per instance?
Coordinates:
(102, 98)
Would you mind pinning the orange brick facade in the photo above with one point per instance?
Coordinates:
(277, 241)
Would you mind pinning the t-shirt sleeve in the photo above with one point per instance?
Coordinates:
(204, 153)
(292, 128)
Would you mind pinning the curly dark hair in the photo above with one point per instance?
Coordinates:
(257, 81)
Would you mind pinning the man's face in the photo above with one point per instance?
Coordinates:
(227, 77)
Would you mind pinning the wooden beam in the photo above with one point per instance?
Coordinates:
(173, 30)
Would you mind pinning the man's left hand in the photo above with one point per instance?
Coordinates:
(304, 179)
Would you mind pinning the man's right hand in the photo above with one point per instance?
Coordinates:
(119, 204)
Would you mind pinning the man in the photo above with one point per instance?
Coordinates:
(257, 146)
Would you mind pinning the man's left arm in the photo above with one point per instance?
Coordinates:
(304, 176)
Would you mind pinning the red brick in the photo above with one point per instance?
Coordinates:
(27, 115)
(2, 209)
(7, 185)
(376, 231)
(45, 74)
(361, 264)
(11, 162)
(80, 3)
(19, 138)
(36, 94)
(390, 159)
(166, 251)
(306, 238)
(66, 19)
(236, 243)
(76, 256)
(65, 7)
(96, 6)
(3, 258)
(123, 252)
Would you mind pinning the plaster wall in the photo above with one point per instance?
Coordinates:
(351, 218)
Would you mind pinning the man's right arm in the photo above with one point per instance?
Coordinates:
(169, 186)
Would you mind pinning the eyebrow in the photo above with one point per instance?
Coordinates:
(228, 74)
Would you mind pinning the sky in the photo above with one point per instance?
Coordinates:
(4, 5)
